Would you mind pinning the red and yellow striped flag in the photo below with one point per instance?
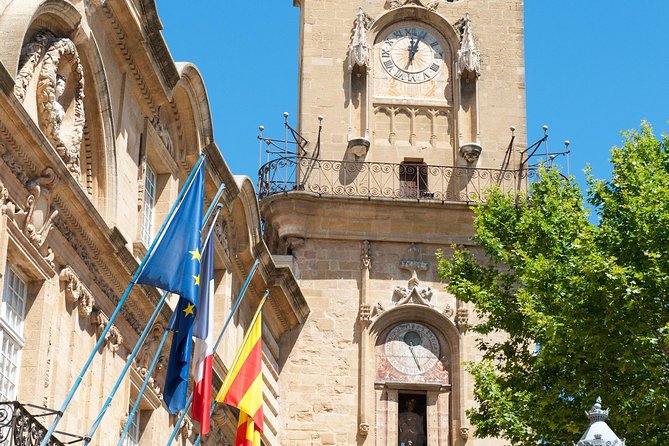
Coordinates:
(242, 388)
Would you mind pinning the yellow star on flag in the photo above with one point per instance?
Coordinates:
(195, 254)
(197, 279)
(189, 310)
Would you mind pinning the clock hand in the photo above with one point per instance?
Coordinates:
(414, 46)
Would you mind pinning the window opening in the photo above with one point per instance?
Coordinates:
(134, 432)
(413, 179)
(148, 210)
(12, 315)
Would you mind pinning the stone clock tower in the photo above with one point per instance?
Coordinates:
(413, 109)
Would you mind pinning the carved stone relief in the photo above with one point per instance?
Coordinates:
(76, 293)
(159, 123)
(186, 429)
(413, 263)
(469, 57)
(365, 257)
(462, 319)
(359, 49)
(35, 220)
(412, 293)
(431, 5)
(147, 353)
(365, 312)
(113, 338)
(60, 108)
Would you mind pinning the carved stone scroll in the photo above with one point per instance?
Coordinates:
(114, 338)
(76, 293)
(146, 355)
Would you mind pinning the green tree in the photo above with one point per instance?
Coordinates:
(578, 309)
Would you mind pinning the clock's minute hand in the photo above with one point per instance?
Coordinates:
(414, 47)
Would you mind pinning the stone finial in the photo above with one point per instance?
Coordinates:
(358, 50)
(597, 413)
(469, 57)
(599, 433)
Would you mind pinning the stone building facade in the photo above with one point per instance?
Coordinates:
(99, 129)
(412, 108)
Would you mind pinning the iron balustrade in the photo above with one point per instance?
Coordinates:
(385, 180)
(18, 427)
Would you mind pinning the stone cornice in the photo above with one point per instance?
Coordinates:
(306, 215)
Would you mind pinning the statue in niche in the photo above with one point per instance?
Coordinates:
(411, 431)
(59, 92)
(58, 110)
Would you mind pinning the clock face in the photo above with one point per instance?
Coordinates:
(412, 348)
(411, 54)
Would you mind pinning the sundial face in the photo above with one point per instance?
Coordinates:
(412, 348)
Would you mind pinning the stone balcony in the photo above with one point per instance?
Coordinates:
(411, 181)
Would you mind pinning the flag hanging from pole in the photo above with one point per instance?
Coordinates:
(243, 387)
(174, 266)
(174, 263)
(203, 351)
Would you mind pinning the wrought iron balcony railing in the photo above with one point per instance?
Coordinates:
(18, 427)
(385, 180)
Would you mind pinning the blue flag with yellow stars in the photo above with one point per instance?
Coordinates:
(176, 381)
(174, 264)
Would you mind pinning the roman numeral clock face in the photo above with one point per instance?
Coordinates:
(411, 54)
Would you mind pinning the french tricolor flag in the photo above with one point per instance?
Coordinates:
(203, 330)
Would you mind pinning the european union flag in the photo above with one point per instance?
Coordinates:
(174, 264)
(176, 381)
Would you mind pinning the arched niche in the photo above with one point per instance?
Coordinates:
(411, 112)
(194, 127)
(20, 16)
(61, 82)
(435, 391)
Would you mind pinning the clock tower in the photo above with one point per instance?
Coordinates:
(409, 110)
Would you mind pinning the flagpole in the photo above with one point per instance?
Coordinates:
(233, 310)
(207, 239)
(140, 341)
(124, 297)
(138, 345)
(149, 372)
(238, 355)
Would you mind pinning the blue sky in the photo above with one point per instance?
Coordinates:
(593, 68)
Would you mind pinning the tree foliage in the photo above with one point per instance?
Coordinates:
(572, 309)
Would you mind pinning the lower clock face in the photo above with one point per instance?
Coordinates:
(411, 54)
(412, 348)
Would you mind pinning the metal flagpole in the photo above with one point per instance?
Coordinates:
(218, 341)
(149, 372)
(124, 297)
(132, 413)
(236, 360)
(138, 345)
